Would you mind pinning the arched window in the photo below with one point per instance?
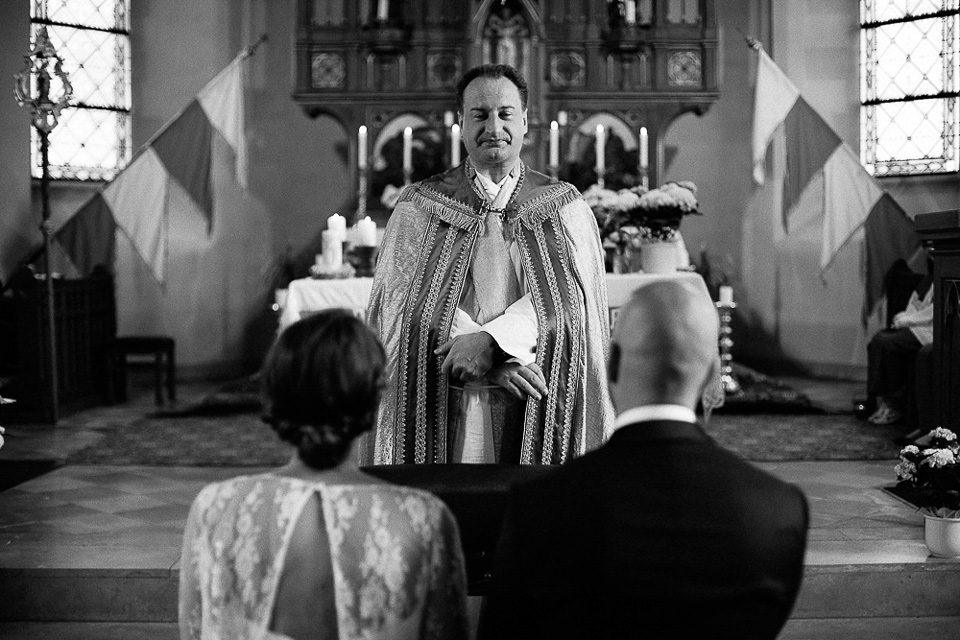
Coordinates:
(92, 140)
(908, 86)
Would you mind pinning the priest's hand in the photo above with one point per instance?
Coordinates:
(520, 380)
(468, 357)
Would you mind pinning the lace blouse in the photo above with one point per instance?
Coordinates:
(398, 568)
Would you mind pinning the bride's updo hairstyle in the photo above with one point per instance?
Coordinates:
(321, 384)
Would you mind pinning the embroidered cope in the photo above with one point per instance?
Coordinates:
(427, 287)
(398, 569)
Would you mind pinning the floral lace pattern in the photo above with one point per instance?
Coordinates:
(397, 563)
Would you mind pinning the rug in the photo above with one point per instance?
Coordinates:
(243, 440)
(761, 393)
(230, 398)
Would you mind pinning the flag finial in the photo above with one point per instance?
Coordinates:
(752, 42)
(248, 51)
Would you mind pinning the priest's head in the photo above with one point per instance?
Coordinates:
(492, 108)
(664, 346)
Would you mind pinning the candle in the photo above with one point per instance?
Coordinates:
(338, 225)
(644, 150)
(362, 147)
(332, 248)
(407, 150)
(383, 10)
(631, 12)
(726, 295)
(454, 144)
(367, 232)
(554, 144)
(448, 119)
(562, 118)
(646, 11)
(601, 145)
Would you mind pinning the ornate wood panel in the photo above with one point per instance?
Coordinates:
(644, 62)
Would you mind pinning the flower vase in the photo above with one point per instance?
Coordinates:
(658, 257)
(942, 536)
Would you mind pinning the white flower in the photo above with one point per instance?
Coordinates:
(910, 448)
(945, 434)
(939, 458)
(906, 470)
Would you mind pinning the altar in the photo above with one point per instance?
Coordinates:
(310, 295)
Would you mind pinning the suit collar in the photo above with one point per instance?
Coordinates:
(650, 430)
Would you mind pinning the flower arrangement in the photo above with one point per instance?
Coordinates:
(631, 216)
(929, 475)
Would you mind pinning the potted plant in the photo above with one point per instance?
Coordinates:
(929, 477)
(637, 220)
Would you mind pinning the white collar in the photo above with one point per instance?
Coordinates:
(655, 412)
(491, 188)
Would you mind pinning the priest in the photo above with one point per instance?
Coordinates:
(490, 299)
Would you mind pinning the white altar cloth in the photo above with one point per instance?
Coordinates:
(309, 295)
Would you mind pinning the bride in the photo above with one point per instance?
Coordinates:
(316, 548)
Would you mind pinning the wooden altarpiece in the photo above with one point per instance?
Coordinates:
(386, 64)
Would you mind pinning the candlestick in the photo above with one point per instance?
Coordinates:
(601, 160)
(454, 144)
(407, 154)
(724, 309)
(362, 147)
(554, 144)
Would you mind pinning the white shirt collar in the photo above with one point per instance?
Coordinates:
(655, 412)
(491, 188)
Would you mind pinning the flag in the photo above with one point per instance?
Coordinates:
(817, 162)
(178, 157)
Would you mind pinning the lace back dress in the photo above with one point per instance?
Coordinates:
(395, 555)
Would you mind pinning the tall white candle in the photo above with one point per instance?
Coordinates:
(448, 119)
(338, 225)
(332, 248)
(644, 149)
(562, 118)
(726, 295)
(554, 144)
(600, 148)
(367, 232)
(631, 12)
(362, 147)
(454, 144)
(407, 150)
(383, 10)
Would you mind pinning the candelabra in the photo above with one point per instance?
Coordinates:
(730, 384)
(41, 65)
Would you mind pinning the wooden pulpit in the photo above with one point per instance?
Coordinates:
(940, 233)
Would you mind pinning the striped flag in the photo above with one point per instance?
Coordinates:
(173, 167)
(820, 176)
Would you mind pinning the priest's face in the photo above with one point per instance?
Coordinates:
(494, 123)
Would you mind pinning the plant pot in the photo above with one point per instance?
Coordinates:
(942, 536)
(658, 257)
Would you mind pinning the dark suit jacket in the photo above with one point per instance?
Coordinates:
(660, 532)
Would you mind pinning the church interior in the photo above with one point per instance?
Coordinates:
(186, 198)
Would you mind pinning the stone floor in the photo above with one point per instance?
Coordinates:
(93, 551)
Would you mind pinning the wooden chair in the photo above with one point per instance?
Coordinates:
(160, 348)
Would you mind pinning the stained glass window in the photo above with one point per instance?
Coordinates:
(908, 86)
(92, 140)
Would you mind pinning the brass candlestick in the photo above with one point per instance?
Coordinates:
(730, 384)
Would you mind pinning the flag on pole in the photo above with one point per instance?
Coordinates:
(815, 158)
(179, 156)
